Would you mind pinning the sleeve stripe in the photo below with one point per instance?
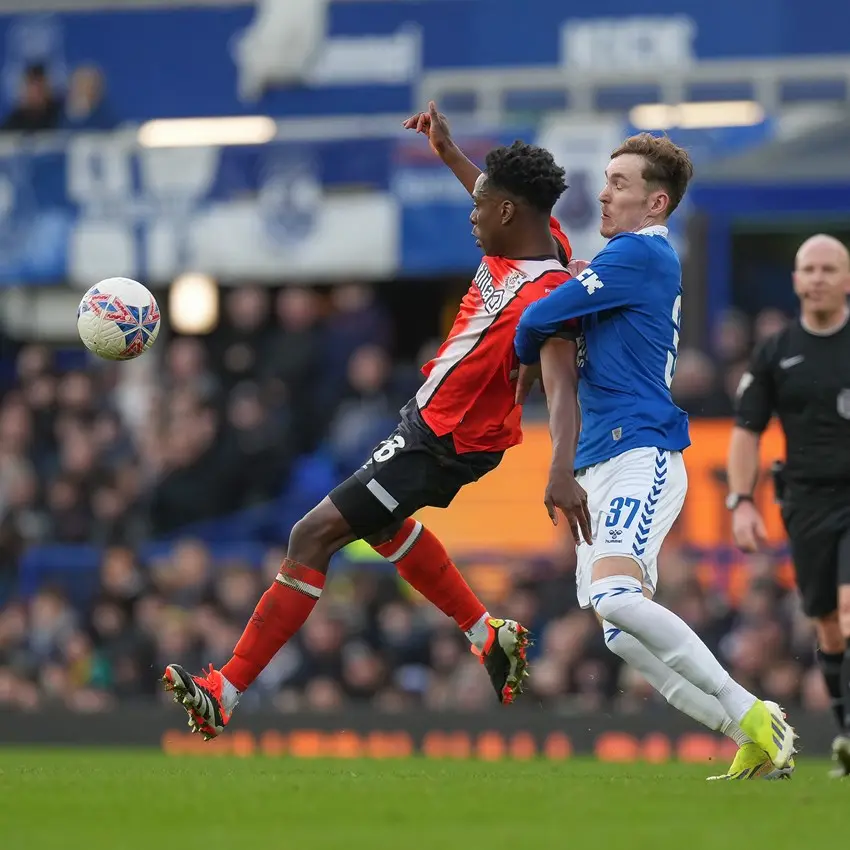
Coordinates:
(458, 349)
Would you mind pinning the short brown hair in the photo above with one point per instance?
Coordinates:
(666, 164)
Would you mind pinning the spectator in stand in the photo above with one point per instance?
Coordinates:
(731, 337)
(367, 411)
(38, 107)
(86, 107)
(695, 386)
(293, 368)
(768, 322)
(189, 374)
(192, 486)
(357, 319)
(235, 349)
(257, 446)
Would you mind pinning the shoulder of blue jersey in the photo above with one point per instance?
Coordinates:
(642, 248)
(630, 245)
(629, 242)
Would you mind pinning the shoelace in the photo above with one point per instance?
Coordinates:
(211, 686)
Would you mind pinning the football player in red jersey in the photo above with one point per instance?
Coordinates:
(454, 431)
(564, 495)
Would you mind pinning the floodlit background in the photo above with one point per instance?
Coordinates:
(246, 161)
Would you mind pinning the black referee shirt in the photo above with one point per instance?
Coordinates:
(804, 378)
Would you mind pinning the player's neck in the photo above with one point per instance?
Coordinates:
(532, 247)
(650, 222)
(824, 324)
(530, 242)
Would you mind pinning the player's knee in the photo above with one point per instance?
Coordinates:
(611, 595)
(308, 540)
(616, 566)
(384, 535)
(833, 631)
(319, 534)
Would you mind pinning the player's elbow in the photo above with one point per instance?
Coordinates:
(744, 438)
(524, 345)
(528, 337)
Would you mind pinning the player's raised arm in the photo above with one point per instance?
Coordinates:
(435, 126)
(614, 278)
(563, 492)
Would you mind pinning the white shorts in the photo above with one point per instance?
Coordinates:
(634, 500)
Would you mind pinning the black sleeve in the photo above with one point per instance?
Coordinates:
(570, 330)
(754, 400)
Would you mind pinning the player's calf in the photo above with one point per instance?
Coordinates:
(210, 699)
(423, 562)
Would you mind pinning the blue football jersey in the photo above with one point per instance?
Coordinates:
(629, 300)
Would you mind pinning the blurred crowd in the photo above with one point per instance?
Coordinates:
(200, 427)
(111, 457)
(706, 382)
(42, 104)
(373, 641)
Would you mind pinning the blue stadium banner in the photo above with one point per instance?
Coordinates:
(79, 207)
(363, 56)
(37, 216)
(99, 205)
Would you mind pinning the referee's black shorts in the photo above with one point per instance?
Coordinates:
(412, 469)
(817, 519)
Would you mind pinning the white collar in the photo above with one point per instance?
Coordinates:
(654, 230)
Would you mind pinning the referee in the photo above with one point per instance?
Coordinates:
(802, 374)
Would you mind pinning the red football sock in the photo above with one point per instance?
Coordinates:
(422, 561)
(281, 611)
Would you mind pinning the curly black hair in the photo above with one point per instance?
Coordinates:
(528, 172)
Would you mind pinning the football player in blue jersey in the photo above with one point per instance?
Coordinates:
(628, 463)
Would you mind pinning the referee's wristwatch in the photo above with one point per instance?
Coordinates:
(735, 499)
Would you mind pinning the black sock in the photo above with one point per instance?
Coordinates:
(835, 667)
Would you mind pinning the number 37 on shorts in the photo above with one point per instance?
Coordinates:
(634, 499)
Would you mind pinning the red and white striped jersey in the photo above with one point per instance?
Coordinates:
(470, 385)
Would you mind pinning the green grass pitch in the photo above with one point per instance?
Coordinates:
(132, 800)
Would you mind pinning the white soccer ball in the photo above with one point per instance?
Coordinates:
(118, 319)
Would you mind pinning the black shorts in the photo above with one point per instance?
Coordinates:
(817, 520)
(412, 469)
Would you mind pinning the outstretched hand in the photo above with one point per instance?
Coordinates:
(434, 125)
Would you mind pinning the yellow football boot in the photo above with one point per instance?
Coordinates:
(752, 762)
(765, 725)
